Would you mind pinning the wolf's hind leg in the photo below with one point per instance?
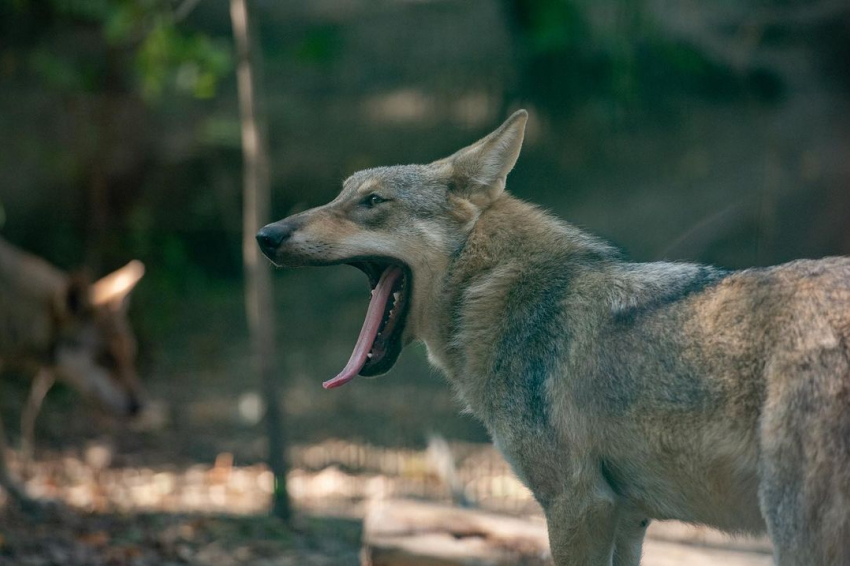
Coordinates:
(805, 472)
(12, 488)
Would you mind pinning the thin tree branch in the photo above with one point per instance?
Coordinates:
(258, 294)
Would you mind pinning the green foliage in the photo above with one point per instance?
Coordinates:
(320, 46)
(90, 10)
(192, 63)
(59, 71)
(555, 25)
(142, 41)
(616, 52)
(221, 131)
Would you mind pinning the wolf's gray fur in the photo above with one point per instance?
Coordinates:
(619, 392)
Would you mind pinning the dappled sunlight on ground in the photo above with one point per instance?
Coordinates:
(217, 513)
(329, 475)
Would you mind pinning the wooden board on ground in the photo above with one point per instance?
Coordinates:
(413, 533)
(674, 531)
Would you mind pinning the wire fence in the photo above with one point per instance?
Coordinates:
(332, 476)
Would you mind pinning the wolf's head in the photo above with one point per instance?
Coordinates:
(95, 349)
(401, 226)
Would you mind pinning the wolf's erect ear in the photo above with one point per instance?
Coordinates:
(114, 288)
(478, 171)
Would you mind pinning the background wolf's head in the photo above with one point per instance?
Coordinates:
(95, 349)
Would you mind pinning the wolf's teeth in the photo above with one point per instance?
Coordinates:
(396, 295)
(369, 355)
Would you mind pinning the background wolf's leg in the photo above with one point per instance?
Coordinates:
(628, 542)
(582, 523)
(6, 481)
(805, 472)
(41, 384)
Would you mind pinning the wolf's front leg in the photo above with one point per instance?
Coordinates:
(14, 490)
(41, 385)
(582, 525)
(628, 542)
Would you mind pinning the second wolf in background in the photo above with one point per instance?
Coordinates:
(53, 325)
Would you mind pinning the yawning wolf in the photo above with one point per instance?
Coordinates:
(620, 392)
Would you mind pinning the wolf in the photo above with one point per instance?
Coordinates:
(619, 392)
(56, 325)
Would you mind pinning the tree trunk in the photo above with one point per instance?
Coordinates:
(258, 292)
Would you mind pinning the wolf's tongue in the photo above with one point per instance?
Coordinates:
(377, 305)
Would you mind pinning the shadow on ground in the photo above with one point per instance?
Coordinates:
(77, 538)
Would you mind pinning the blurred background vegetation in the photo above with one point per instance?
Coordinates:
(706, 131)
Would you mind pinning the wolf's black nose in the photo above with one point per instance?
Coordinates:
(270, 237)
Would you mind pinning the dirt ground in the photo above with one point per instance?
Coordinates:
(106, 511)
(185, 484)
(75, 537)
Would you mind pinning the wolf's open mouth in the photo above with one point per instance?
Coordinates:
(379, 343)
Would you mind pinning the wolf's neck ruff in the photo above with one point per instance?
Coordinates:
(381, 318)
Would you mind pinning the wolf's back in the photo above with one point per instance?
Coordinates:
(29, 290)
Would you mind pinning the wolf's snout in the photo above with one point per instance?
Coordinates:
(270, 237)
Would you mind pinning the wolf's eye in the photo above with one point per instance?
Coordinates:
(373, 200)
